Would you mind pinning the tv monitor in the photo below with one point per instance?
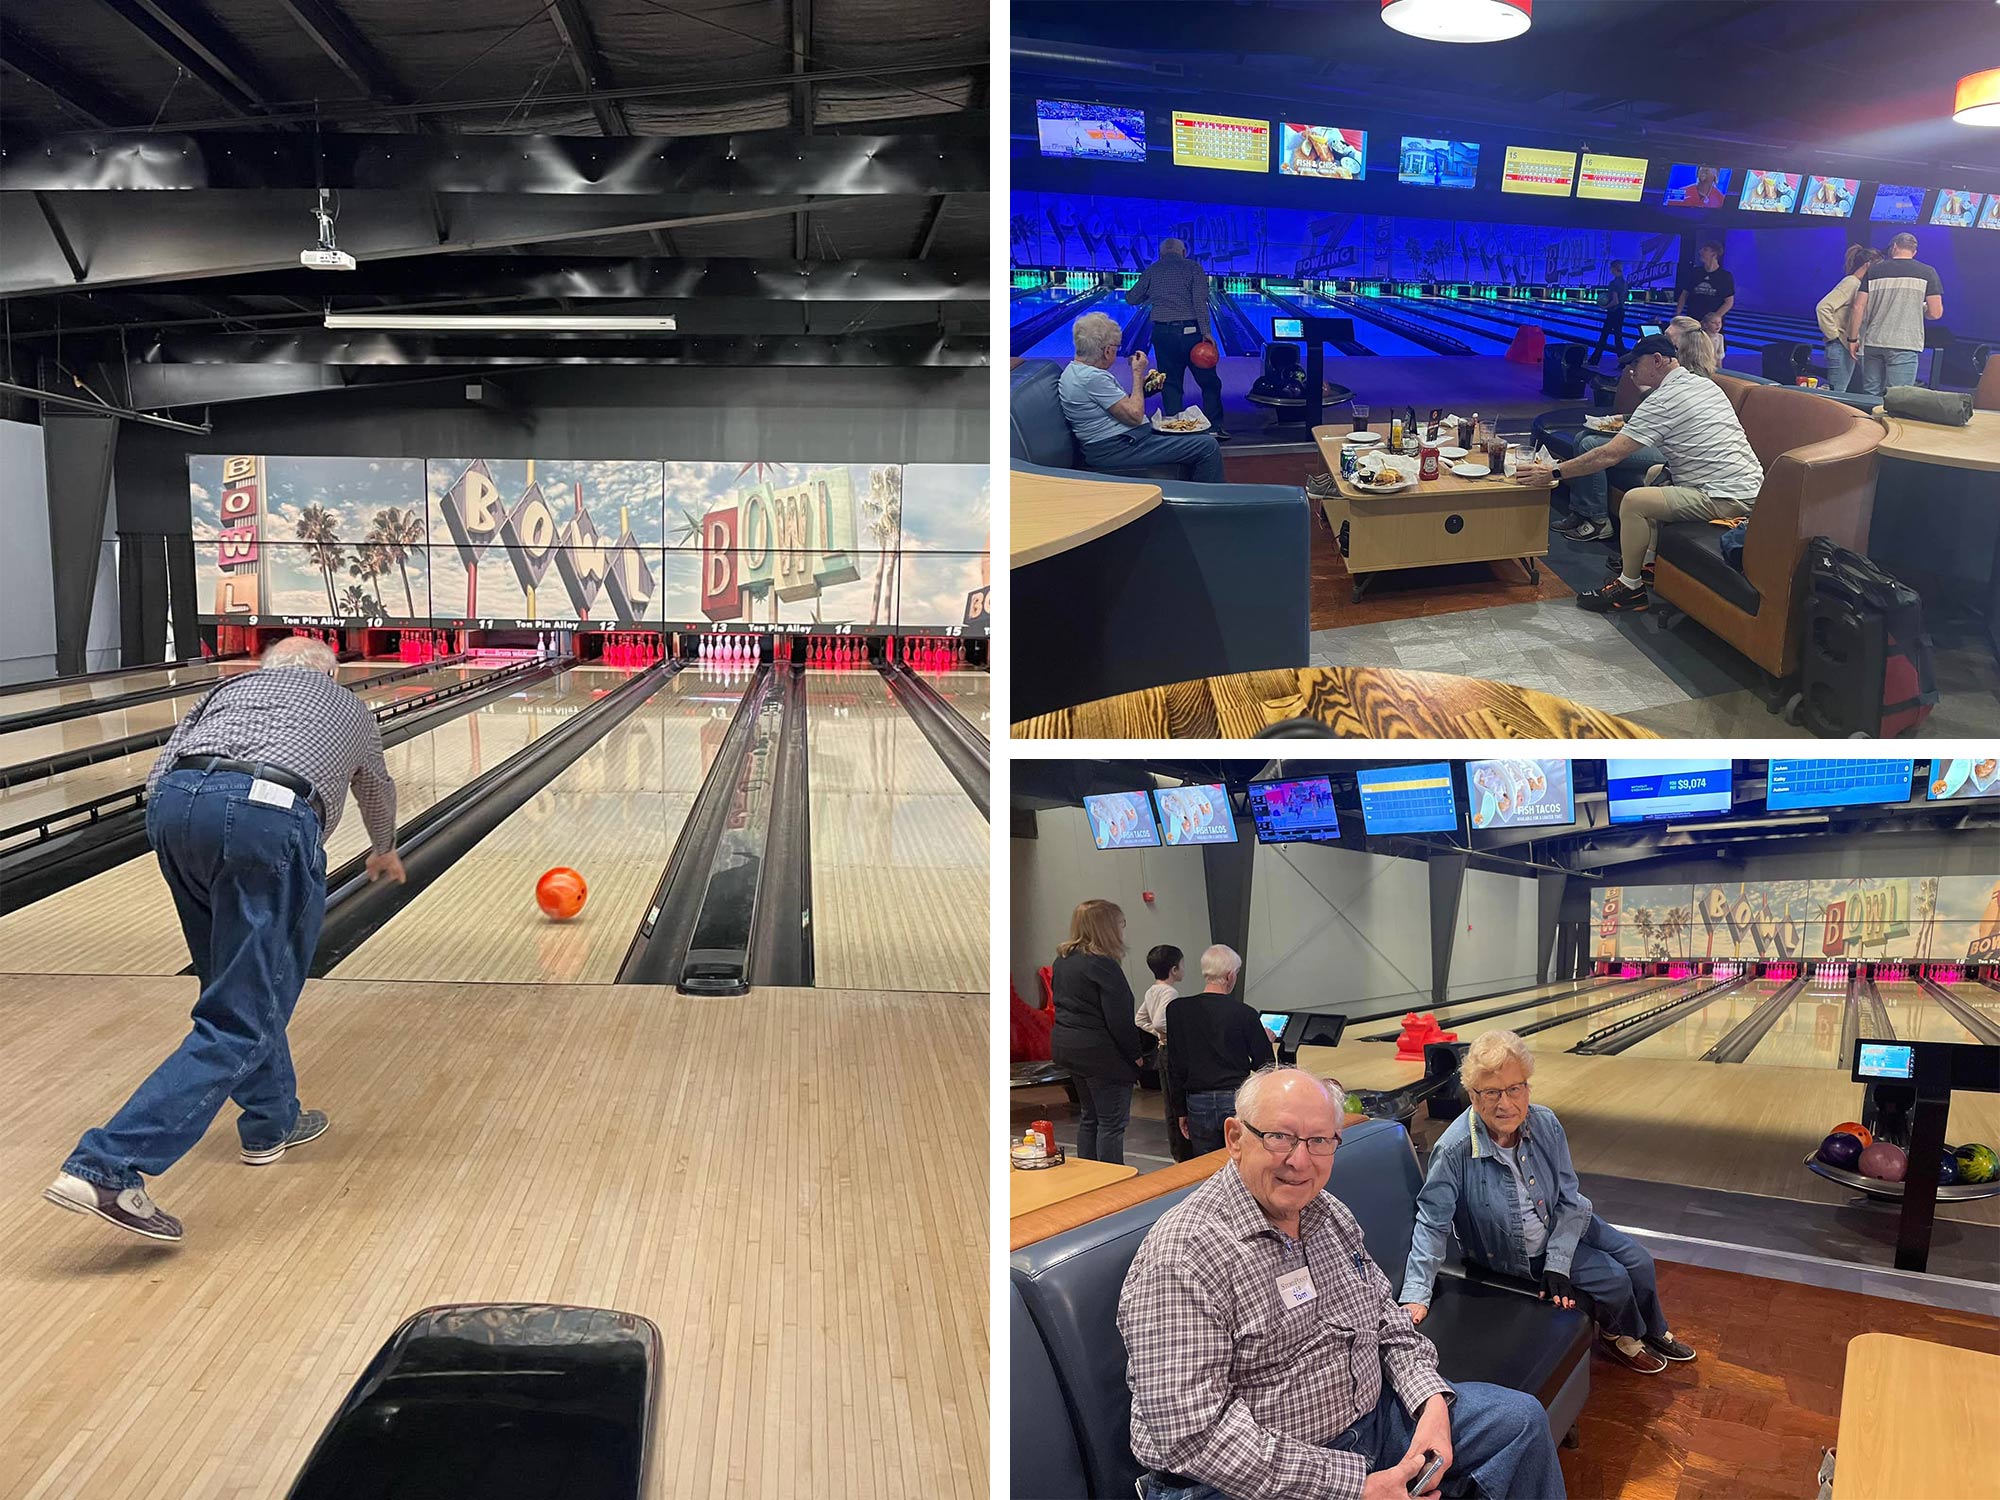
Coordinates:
(1094, 132)
(1896, 204)
(1198, 813)
(1643, 791)
(1830, 197)
(1122, 820)
(1836, 781)
(1989, 216)
(1519, 793)
(1545, 174)
(1696, 185)
(1647, 330)
(1766, 192)
(1299, 811)
(1322, 151)
(1408, 799)
(1972, 776)
(1613, 179)
(1895, 1061)
(1427, 162)
(1288, 328)
(1224, 143)
(1956, 208)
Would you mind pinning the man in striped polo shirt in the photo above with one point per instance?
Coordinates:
(1712, 471)
(1885, 319)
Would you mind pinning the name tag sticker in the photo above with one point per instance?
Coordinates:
(1295, 1288)
(271, 794)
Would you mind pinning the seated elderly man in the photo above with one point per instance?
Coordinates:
(1110, 426)
(1501, 1179)
(1267, 1358)
(1589, 495)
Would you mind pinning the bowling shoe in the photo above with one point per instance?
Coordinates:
(1629, 1352)
(1321, 487)
(1669, 1347)
(312, 1125)
(128, 1208)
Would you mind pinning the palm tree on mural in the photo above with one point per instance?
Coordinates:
(354, 602)
(884, 512)
(371, 561)
(396, 531)
(320, 531)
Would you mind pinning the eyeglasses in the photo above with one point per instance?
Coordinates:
(1513, 1093)
(1284, 1143)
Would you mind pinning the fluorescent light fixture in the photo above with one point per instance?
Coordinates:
(394, 322)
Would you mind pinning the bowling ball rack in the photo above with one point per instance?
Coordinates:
(1875, 1187)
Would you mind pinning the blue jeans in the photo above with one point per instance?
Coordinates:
(1500, 1446)
(1882, 368)
(249, 882)
(1616, 1273)
(1134, 452)
(1839, 365)
(1172, 341)
(1205, 1113)
(1105, 1105)
(1589, 495)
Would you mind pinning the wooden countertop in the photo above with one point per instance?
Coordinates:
(1052, 514)
(1910, 1417)
(1028, 1191)
(1974, 446)
(1352, 702)
(1332, 439)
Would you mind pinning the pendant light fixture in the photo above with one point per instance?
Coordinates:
(1459, 20)
(1978, 101)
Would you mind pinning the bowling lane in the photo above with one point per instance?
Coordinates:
(1693, 1035)
(1376, 335)
(122, 921)
(1807, 1034)
(61, 694)
(36, 799)
(1058, 343)
(613, 816)
(1919, 1018)
(115, 724)
(967, 692)
(1542, 1003)
(898, 851)
(1562, 1038)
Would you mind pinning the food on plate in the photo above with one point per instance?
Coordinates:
(1179, 424)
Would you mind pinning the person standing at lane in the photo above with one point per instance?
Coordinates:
(239, 806)
(1832, 315)
(1096, 1036)
(1164, 962)
(1613, 331)
(1706, 288)
(1219, 1043)
(1885, 321)
(1176, 288)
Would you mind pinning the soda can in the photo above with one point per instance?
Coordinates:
(1346, 460)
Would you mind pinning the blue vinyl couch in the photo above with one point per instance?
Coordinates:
(1213, 581)
(1072, 1408)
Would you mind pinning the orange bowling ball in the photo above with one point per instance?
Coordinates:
(1860, 1132)
(560, 893)
(1203, 356)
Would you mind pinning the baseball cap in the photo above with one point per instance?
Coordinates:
(1652, 343)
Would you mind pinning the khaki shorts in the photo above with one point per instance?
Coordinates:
(1683, 502)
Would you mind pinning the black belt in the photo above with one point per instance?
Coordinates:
(257, 770)
(1175, 1481)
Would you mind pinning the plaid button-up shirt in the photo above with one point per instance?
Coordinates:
(304, 722)
(1238, 1388)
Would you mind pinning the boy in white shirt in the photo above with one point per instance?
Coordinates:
(1165, 963)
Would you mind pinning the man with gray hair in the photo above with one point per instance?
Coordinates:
(239, 806)
(1267, 1356)
(1177, 290)
(1224, 1043)
(1110, 426)
(1885, 320)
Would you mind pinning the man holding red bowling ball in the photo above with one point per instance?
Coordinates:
(1176, 288)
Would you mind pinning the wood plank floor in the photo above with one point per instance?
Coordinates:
(779, 1182)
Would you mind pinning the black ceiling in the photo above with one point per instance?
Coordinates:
(811, 171)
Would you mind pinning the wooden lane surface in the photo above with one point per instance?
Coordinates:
(1688, 1038)
(1739, 1128)
(1974, 446)
(1909, 1411)
(1352, 702)
(1028, 1191)
(1052, 514)
(122, 921)
(116, 724)
(780, 1182)
(613, 816)
(34, 799)
(899, 882)
(967, 692)
(59, 694)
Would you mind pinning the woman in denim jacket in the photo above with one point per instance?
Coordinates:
(1501, 1178)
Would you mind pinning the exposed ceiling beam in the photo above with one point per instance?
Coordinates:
(326, 347)
(60, 236)
(573, 26)
(72, 90)
(192, 41)
(331, 31)
(802, 104)
(929, 235)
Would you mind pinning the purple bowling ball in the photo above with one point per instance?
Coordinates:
(1841, 1150)
(1884, 1161)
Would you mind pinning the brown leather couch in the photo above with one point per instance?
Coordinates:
(1819, 480)
(1986, 395)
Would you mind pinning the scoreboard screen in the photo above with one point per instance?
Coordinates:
(1225, 143)
(1546, 174)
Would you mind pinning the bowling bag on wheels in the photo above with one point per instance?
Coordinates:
(1866, 665)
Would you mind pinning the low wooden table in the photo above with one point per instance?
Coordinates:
(1028, 1191)
(1912, 1420)
(1973, 446)
(1442, 520)
(1385, 703)
(1052, 515)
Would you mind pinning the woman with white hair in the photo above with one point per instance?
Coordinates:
(1218, 1042)
(1110, 426)
(1502, 1181)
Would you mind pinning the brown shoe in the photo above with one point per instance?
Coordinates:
(128, 1208)
(1634, 1355)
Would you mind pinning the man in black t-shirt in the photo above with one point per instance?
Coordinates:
(1613, 331)
(1223, 1043)
(1706, 288)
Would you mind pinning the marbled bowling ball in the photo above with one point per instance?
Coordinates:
(560, 893)
(1840, 1150)
(1859, 1132)
(1976, 1163)
(1884, 1161)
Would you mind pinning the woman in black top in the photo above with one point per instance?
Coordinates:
(1095, 1035)
(1218, 1042)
